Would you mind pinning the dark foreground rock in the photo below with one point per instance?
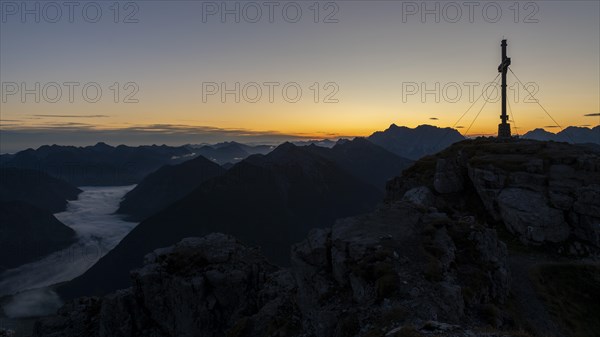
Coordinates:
(401, 268)
(6, 333)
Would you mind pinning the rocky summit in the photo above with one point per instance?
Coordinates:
(428, 262)
(542, 192)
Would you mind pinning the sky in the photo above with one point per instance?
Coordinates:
(176, 72)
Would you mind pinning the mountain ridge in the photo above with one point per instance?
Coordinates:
(28, 232)
(571, 134)
(36, 188)
(268, 200)
(167, 185)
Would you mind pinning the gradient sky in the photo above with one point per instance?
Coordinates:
(370, 54)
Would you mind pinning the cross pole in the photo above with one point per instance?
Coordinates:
(504, 127)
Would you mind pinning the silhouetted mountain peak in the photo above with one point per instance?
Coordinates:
(102, 147)
(539, 132)
(357, 141)
(286, 149)
(429, 127)
(571, 134)
(286, 145)
(323, 143)
(199, 160)
(167, 185)
(369, 162)
(288, 154)
(227, 144)
(415, 143)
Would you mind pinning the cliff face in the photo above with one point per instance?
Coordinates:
(403, 265)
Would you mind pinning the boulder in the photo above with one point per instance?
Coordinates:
(6, 333)
(420, 196)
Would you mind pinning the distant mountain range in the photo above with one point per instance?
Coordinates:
(97, 165)
(369, 162)
(102, 164)
(266, 200)
(105, 165)
(322, 143)
(365, 160)
(230, 152)
(572, 134)
(415, 143)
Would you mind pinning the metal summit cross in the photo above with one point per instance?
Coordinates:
(504, 127)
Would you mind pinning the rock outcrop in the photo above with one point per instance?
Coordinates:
(401, 266)
(543, 192)
(199, 287)
(530, 214)
(6, 333)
